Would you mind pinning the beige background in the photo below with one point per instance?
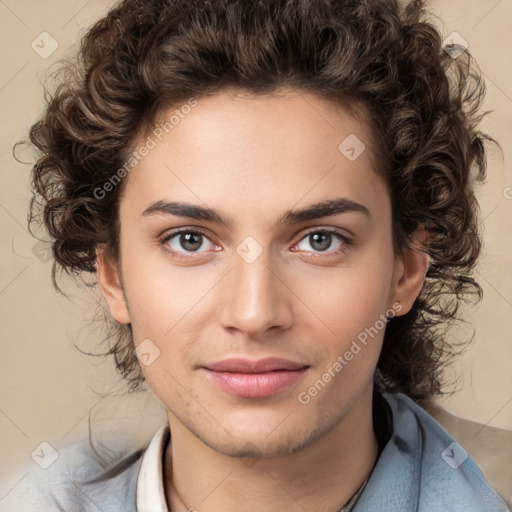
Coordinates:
(48, 388)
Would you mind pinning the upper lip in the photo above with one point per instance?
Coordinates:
(268, 364)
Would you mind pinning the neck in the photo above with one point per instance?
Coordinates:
(323, 476)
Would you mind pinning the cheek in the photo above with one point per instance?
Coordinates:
(353, 304)
(349, 299)
(159, 294)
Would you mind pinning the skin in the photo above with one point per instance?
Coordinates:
(252, 158)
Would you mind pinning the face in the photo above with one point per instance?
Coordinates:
(248, 232)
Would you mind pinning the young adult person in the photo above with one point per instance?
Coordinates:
(277, 199)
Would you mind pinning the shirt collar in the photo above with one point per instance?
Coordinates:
(150, 494)
(394, 483)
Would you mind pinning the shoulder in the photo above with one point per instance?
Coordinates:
(76, 480)
(449, 479)
(490, 447)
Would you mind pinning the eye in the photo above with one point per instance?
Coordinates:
(184, 243)
(323, 239)
(187, 241)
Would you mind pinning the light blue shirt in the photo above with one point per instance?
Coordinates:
(421, 469)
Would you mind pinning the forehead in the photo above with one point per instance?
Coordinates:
(255, 152)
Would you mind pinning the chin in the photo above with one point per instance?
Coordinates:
(260, 444)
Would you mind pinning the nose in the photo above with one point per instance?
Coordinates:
(255, 298)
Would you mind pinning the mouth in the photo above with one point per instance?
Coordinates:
(254, 379)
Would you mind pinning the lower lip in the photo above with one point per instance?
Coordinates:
(255, 385)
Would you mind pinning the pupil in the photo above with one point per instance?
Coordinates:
(324, 244)
(188, 243)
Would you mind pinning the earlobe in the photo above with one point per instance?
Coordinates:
(111, 286)
(410, 271)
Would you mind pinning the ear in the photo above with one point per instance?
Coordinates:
(409, 273)
(111, 286)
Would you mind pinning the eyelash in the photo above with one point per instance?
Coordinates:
(346, 241)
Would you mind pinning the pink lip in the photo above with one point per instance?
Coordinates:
(254, 379)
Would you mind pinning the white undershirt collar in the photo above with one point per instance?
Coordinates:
(150, 493)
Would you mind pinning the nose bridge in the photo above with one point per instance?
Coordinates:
(253, 298)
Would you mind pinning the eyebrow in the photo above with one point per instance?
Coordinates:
(318, 210)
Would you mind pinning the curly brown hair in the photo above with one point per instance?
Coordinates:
(379, 58)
